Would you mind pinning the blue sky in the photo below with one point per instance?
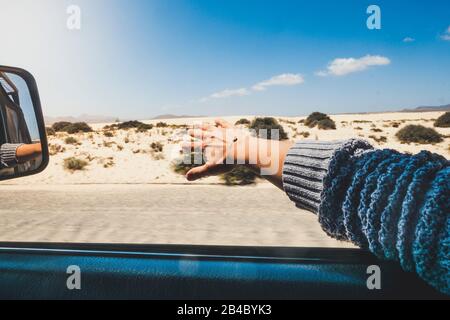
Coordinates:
(141, 58)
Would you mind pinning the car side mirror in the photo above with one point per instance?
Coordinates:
(23, 141)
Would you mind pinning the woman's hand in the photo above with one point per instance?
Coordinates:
(225, 146)
(222, 145)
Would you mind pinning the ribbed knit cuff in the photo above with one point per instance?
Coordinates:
(8, 156)
(305, 168)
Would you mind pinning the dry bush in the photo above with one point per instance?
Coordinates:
(157, 146)
(326, 124)
(419, 134)
(108, 144)
(50, 131)
(321, 120)
(108, 163)
(443, 121)
(268, 124)
(108, 134)
(54, 149)
(71, 140)
(243, 122)
(239, 176)
(71, 128)
(380, 140)
(74, 164)
(162, 125)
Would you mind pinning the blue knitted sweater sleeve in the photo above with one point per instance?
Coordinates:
(395, 205)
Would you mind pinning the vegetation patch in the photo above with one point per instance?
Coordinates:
(71, 128)
(326, 124)
(50, 131)
(157, 147)
(54, 149)
(183, 165)
(71, 140)
(443, 121)
(243, 122)
(380, 140)
(264, 127)
(74, 164)
(140, 126)
(321, 120)
(419, 134)
(162, 125)
(239, 176)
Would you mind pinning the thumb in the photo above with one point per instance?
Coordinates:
(222, 123)
(197, 173)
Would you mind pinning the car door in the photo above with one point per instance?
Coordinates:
(82, 271)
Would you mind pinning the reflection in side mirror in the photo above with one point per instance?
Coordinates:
(23, 144)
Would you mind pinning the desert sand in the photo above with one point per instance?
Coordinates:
(127, 158)
(129, 194)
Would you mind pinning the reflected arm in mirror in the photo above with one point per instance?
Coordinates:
(13, 154)
(28, 152)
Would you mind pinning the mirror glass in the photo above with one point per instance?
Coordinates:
(20, 143)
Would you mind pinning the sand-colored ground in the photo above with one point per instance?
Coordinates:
(127, 157)
(129, 194)
(203, 215)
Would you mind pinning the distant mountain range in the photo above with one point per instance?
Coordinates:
(83, 118)
(172, 116)
(429, 108)
(105, 119)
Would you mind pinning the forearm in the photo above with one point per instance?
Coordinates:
(393, 204)
(27, 152)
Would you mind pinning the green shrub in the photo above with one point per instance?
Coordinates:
(443, 121)
(74, 164)
(314, 118)
(321, 120)
(380, 140)
(239, 176)
(71, 140)
(268, 124)
(71, 128)
(140, 126)
(157, 147)
(59, 126)
(182, 166)
(162, 125)
(50, 131)
(326, 124)
(243, 121)
(78, 127)
(418, 134)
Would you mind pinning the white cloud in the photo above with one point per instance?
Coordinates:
(344, 66)
(227, 93)
(286, 79)
(446, 35)
(409, 39)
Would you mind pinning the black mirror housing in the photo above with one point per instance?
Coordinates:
(23, 140)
